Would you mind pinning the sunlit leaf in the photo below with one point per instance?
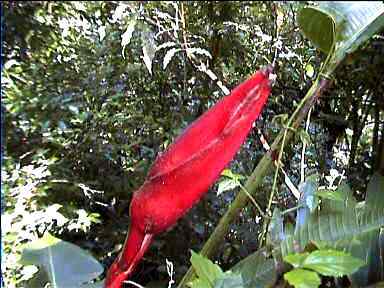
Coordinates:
(226, 185)
(300, 278)
(296, 260)
(309, 70)
(332, 263)
(228, 173)
(149, 49)
(126, 37)
(199, 283)
(199, 51)
(168, 56)
(205, 269)
(165, 45)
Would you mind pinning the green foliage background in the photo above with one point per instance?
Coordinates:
(84, 118)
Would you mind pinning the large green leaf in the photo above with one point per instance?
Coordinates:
(256, 270)
(368, 246)
(230, 280)
(308, 200)
(338, 28)
(345, 24)
(346, 225)
(64, 264)
(205, 269)
(300, 278)
(332, 263)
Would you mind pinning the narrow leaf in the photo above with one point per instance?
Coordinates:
(126, 37)
(149, 49)
(199, 51)
(165, 45)
(168, 56)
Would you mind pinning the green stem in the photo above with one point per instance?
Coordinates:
(253, 200)
(291, 209)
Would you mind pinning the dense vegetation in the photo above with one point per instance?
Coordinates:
(93, 91)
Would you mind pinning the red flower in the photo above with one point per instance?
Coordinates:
(183, 173)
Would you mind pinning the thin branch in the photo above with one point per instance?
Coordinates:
(302, 171)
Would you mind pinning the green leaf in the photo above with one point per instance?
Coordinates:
(65, 264)
(280, 119)
(227, 184)
(331, 195)
(375, 191)
(339, 28)
(296, 260)
(230, 280)
(228, 173)
(345, 24)
(346, 226)
(332, 263)
(309, 70)
(307, 199)
(304, 137)
(300, 278)
(368, 246)
(276, 228)
(199, 283)
(256, 270)
(205, 269)
(318, 26)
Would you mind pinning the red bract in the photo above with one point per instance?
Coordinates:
(184, 172)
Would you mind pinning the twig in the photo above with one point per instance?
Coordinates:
(302, 172)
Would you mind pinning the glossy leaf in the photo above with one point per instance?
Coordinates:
(332, 263)
(296, 260)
